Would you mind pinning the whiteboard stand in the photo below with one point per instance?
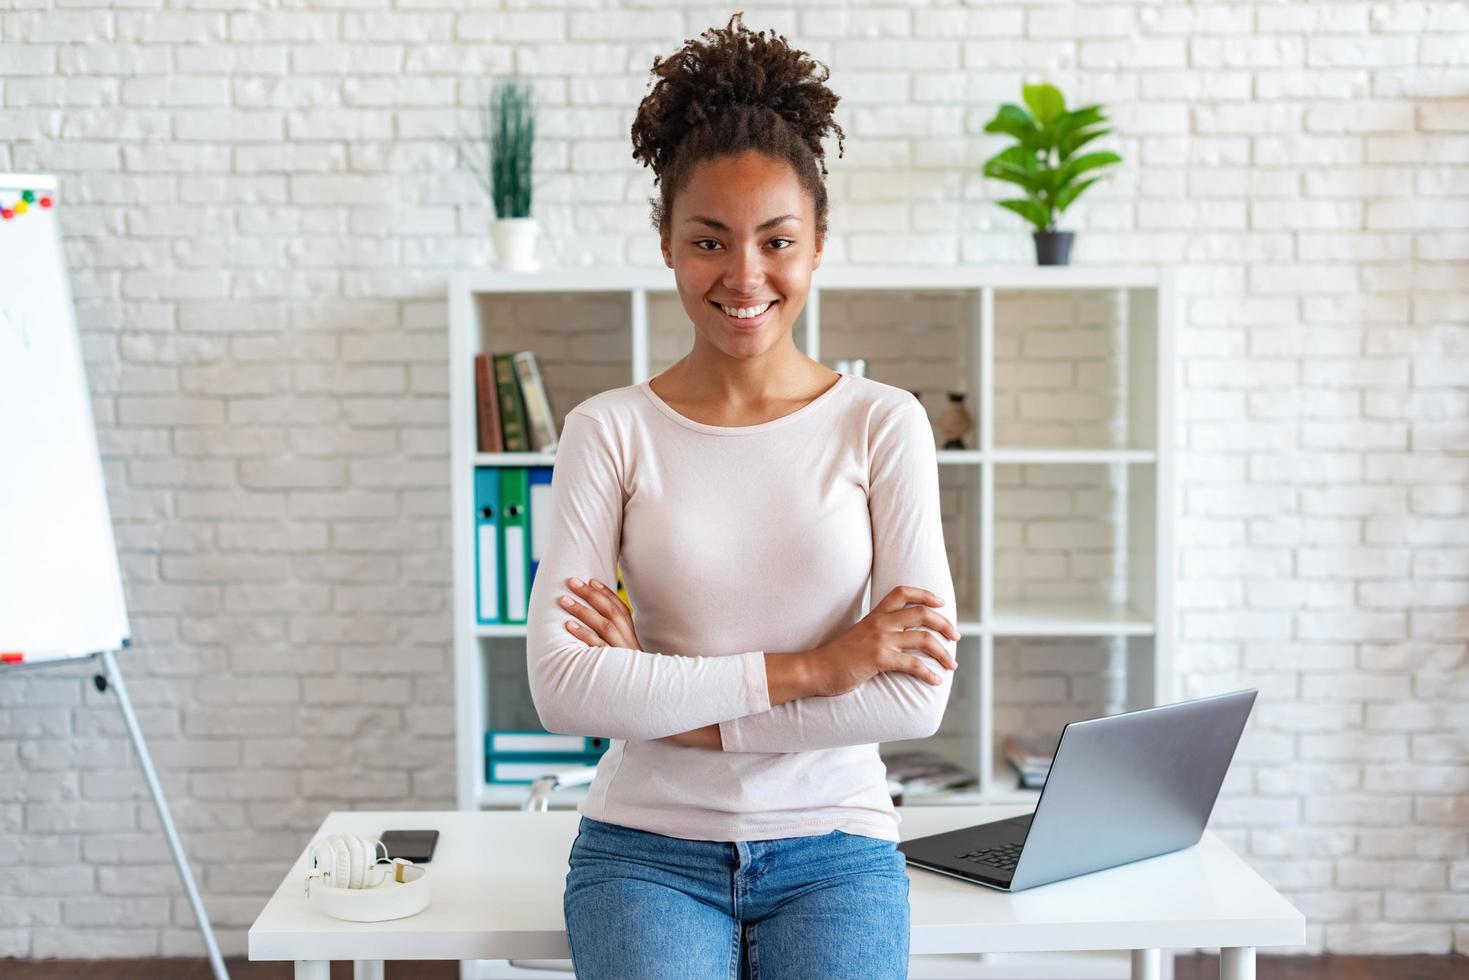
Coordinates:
(114, 677)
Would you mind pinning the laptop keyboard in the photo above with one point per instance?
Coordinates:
(1005, 856)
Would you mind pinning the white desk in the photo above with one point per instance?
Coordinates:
(498, 877)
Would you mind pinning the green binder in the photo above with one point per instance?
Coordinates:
(515, 533)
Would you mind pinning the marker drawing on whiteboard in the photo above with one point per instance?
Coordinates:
(19, 324)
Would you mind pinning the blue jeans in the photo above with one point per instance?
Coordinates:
(642, 906)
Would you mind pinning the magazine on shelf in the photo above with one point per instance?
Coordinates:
(920, 771)
(1031, 756)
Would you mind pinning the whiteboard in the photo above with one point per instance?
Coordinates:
(60, 583)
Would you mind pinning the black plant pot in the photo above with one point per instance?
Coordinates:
(1052, 247)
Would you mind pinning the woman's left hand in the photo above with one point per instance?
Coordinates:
(605, 619)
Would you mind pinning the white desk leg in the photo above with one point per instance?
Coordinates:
(367, 970)
(1237, 963)
(1147, 964)
(313, 970)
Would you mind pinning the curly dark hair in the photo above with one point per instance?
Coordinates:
(738, 90)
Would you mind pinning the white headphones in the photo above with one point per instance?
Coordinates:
(348, 861)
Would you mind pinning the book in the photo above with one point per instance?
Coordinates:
(540, 424)
(512, 407)
(487, 407)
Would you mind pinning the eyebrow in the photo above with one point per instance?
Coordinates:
(724, 227)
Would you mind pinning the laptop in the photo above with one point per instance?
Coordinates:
(1120, 788)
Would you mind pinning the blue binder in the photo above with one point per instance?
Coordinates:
(540, 515)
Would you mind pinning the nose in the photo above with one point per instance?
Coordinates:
(744, 271)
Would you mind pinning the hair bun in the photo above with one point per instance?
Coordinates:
(734, 71)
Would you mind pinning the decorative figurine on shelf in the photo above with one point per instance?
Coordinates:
(503, 165)
(955, 422)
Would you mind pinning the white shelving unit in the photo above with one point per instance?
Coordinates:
(1011, 331)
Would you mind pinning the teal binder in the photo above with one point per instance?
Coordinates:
(488, 593)
(536, 741)
(525, 768)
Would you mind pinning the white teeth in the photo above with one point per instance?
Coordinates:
(745, 312)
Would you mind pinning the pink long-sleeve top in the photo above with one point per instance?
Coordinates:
(735, 540)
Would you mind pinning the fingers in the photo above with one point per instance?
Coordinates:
(924, 616)
(598, 597)
(605, 614)
(587, 634)
(588, 612)
(920, 670)
(584, 634)
(939, 652)
(929, 644)
(584, 613)
(901, 595)
(921, 665)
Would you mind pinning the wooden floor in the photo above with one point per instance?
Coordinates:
(1186, 968)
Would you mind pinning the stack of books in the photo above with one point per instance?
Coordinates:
(1031, 756)
(523, 756)
(513, 410)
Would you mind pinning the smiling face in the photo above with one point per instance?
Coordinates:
(742, 234)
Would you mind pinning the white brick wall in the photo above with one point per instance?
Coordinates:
(260, 211)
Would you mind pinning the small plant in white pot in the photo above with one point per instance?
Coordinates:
(502, 162)
(1044, 162)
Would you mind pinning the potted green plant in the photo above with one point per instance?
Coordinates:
(1044, 162)
(501, 156)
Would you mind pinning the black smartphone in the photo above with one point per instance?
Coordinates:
(412, 845)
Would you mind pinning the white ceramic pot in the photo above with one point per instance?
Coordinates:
(515, 243)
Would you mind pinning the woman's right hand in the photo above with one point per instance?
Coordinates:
(883, 640)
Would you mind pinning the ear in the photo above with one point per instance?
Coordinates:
(667, 248)
(816, 259)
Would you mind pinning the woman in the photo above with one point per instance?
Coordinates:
(740, 824)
